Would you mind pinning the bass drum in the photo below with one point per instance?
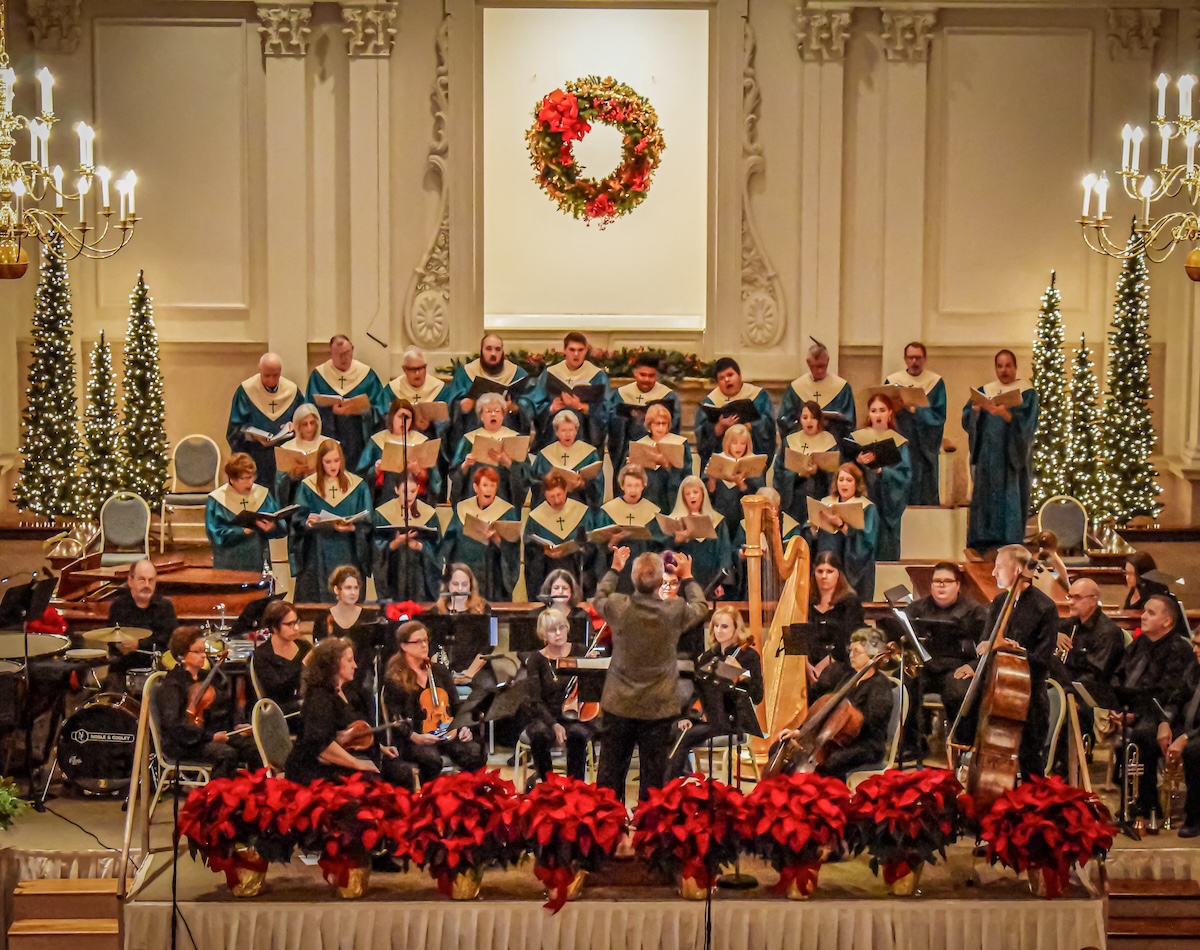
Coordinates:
(95, 748)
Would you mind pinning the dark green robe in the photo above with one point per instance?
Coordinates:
(662, 483)
(535, 404)
(832, 394)
(402, 573)
(762, 432)
(1001, 466)
(620, 512)
(233, 549)
(924, 428)
(557, 527)
(855, 548)
(887, 487)
(578, 455)
(624, 429)
(315, 553)
(795, 490)
(514, 479)
(253, 406)
(351, 431)
(496, 566)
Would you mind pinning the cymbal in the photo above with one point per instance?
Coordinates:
(116, 634)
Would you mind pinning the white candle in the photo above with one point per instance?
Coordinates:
(85, 141)
(104, 175)
(47, 81)
(1190, 141)
(44, 139)
(1138, 135)
(1126, 137)
(1165, 131)
(8, 80)
(34, 140)
(1147, 191)
(122, 189)
(57, 175)
(1089, 182)
(83, 186)
(1162, 82)
(131, 181)
(1102, 195)
(1186, 83)
(19, 190)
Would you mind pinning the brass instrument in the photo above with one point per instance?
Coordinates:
(1172, 781)
(1060, 653)
(1134, 769)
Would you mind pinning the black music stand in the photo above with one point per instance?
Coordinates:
(16, 607)
(1103, 696)
(809, 640)
(522, 631)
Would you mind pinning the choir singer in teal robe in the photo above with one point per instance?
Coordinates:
(493, 558)
(731, 389)
(265, 402)
(828, 390)
(240, 547)
(545, 400)
(554, 526)
(407, 564)
(629, 511)
(854, 546)
(887, 485)
(344, 376)
(627, 407)
(924, 427)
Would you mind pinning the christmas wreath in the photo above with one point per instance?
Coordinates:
(566, 116)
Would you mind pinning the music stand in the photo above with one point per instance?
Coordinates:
(810, 640)
(1103, 696)
(462, 636)
(17, 606)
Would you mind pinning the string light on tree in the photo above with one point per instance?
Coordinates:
(101, 470)
(1049, 380)
(143, 436)
(1087, 466)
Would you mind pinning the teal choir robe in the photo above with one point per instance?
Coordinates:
(383, 484)
(795, 490)
(832, 394)
(593, 424)
(496, 566)
(619, 512)
(855, 548)
(662, 483)
(315, 553)
(727, 497)
(629, 426)
(461, 383)
(403, 573)
(557, 527)
(887, 487)
(711, 556)
(762, 432)
(254, 406)
(285, 484)
(233, 549)
(924, 429)
(791, 528)
(359, 380)
(1001, 467)
(514, 479)
(572, 458)
(433, 390)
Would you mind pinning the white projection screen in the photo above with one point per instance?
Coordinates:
(546, 270)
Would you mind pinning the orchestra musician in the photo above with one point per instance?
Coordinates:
(1179, 740)
(268, 402)
(419, 692)
(190, 730)
(236, 547)
(347, 620)
(460, 593)
(833, 604)
(138, 604)
(561, 589)
(1137, 566)
(332, 704)
(280, 659)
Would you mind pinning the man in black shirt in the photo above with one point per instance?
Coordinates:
(139, 605)
(1179, 738)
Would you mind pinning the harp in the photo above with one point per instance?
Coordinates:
(777, 580)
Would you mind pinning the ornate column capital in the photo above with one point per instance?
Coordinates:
(906, 34)
(369, 29)
(54, 25)
(821, 34)
(285, 29)
(1133, 34)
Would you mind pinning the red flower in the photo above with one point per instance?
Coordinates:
(564, 155)
(403, 610)
(51, 621)
(688, 828)
(601, 207)
(641, 145)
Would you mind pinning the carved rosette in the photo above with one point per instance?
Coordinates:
(285, 30)
(427, 301)
(369, 30)
(1133, 34)
(54, 25)
(763, 308)
(906, 35)
(821, 34)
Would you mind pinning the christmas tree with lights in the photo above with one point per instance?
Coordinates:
(1050, 382)
(1128, 430)
(1087, 467)
(49, 436)
(144, 434)
(101, 471)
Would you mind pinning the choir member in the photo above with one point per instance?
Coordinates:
(887, 485)
(1137, 566)
(828, 390)
(138, 605)
(418, 691)
(342, 375)
(317, 547)
(1180, 735)
(730, 642)
(662, 479)
(280, 659)
(266, 402)
(923, 427)
(307, 438)
(399, 428)
(347, 620)
(555, 524)
(569, 455)
(209, 741)
(543, 717)
(496, 561)
(460, 593)
(727, 495)
(1001, 441)
(730, 388)
(711, 557)
(834, 605)
(331, 704)
(795, 488)
(465, 462)
(627, 406)
(414, 386)
(494, 368)
(855, 547)
(628, 510)
(407, 539)
(543, 402)
(238, 547)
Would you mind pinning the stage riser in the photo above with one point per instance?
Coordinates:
(1153, 943)
(57, 935)
(50, 906)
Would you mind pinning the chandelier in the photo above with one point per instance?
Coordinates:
(43, 201)
(1157, 237)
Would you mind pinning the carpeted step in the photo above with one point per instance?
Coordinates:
(76, 933)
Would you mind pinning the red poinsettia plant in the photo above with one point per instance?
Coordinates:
(568, 826)
(1047, 826)
(462, 824)
(349, 821)
(51, 621)
(796, 822)
(688, 828)
(241, 822)
(403, 610)
(904, 819)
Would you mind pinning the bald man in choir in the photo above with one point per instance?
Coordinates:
(347, 392)
(261, 416)
(416, 386)
(828, 390)
(1001, 420)
(734, 401)
(491, 371)
(574, 383)
(922, 426)
(627, 407)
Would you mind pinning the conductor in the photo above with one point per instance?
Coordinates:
(641, 700)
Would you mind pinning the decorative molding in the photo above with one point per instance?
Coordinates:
(1133, 34)
(54, 25)
(764, 313)
(821, 34)
(906, 34)
(427, 301)
(369, 29)
(285, 30)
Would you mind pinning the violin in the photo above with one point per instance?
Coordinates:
(360, 735)
(201, 694)
(435, 704)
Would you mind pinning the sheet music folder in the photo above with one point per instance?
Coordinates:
(817, 641)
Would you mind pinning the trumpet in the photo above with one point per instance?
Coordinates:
(1172, 779)
(1060, 653)
(1134, 769)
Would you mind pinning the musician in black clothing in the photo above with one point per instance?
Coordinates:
(729, 643)
(1137, 566)
(331, 703)
(182, 739)
(279, 660)
(833, 604)
(1179, 738)
(408, 687)
(138, 604)
(543, 718)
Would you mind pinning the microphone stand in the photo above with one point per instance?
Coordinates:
(922, 658)
(407, 509)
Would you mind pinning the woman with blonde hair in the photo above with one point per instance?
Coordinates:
(727, 495)
(460, 593)
(307, 437)
(662, 479)
(711, 556)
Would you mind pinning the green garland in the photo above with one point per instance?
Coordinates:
(673, 365)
